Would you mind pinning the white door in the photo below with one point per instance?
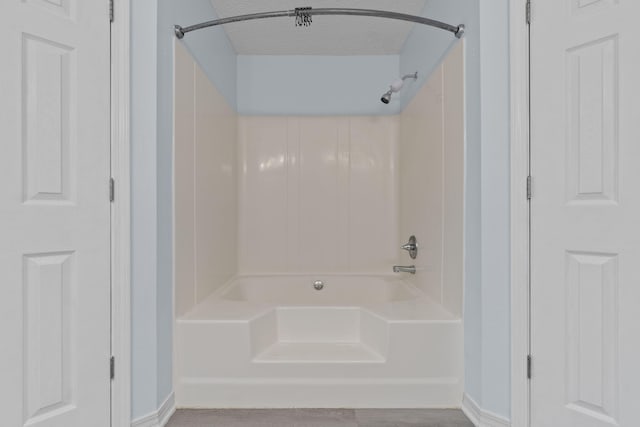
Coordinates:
(585, 213)
(54, 213)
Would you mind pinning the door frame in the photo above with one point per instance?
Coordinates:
(120, 215)
(520, 212)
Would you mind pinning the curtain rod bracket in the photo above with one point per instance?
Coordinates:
(177, 29)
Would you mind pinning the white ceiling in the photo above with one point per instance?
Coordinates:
(327, 35)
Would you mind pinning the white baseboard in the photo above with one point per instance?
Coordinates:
(160, 417)
(480, 417)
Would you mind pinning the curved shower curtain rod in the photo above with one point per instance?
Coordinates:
(303, 18)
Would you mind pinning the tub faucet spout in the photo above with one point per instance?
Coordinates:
(404, 269)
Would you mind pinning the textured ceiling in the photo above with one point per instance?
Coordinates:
(328, 35)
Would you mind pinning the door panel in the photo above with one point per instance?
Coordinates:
(585, 232)
(54, 213)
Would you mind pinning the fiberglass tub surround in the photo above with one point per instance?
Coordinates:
(287, 231)
(303, 290)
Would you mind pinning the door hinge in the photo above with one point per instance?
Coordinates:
(110, 10)
(529, 187)
(112, 367)
(529, 367)
(528, 12)
(112, 189)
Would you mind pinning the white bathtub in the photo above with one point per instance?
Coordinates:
(298, 290)
(360, 341)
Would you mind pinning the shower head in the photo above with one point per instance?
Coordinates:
(396, 86)
(386, 97)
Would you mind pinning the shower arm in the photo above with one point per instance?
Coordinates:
(410, 76)
(458, 31)
(393, 89)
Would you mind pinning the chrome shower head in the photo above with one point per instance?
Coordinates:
(396, 86)
(386, 97)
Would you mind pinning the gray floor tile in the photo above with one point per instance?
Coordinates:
(264, 418)
(411, 418)
(319, 418)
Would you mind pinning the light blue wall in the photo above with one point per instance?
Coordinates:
(486, 310)
(495, 111)
(316, 85)
(144, 14)
(151, 164)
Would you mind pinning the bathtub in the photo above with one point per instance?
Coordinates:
(297, 290)
(361, 341)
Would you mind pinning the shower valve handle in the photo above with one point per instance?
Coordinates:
(411, 247)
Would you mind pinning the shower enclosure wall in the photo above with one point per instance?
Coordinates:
(286, 231)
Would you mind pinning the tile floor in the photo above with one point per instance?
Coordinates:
(319, 418)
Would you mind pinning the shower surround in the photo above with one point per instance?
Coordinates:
(287, 228)
(318, 194)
